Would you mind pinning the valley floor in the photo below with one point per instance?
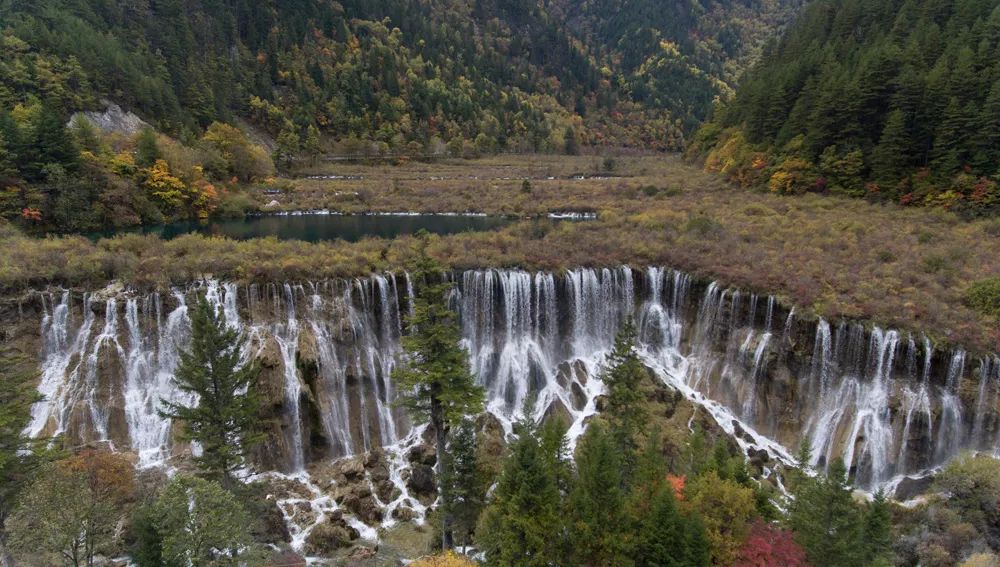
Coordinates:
(905, 267)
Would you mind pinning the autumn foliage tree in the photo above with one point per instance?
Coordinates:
(72, 512)
(769, 546)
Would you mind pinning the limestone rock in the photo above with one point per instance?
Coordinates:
(330, 536)
(403, 514)
(421, 480)
(112, 119)
(423, 454)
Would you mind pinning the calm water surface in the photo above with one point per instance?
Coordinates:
(316, 228)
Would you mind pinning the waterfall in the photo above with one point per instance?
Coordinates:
(535, 340)
(950, 430)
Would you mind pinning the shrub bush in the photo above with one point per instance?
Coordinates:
(984, 296)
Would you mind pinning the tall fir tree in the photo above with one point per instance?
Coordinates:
(826, 520)
(523, 523)
(986, 158)
(876, 531)
(661, 534)
(622, 375)
(596, 505)
(51, 145)
(890, 158)
(465, 481)
(950, 151)
(225, 419)
(435, 382)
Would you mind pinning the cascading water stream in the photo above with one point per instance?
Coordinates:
(535, 340)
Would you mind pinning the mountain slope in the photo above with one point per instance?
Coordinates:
(889, 99)
(520, 72)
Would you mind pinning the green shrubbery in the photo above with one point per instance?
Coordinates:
(984, 297)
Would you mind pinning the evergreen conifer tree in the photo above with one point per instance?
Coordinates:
(596, 505)
(890, 157)
(51, 145)
(465, 481)
(876, 535)
(622, 375)
(522, 525)
(825, 519)
(435, 381)
(147, 151)
(987, 141)
(224, 420)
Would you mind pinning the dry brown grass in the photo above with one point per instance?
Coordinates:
(904, 267)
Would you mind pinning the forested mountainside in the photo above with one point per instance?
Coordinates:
(888, 99)
(391, 71)
(678, 55)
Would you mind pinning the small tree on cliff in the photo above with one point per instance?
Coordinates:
(435, 382)
(224, 420)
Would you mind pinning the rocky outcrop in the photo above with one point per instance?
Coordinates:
(329, 536)
(111, 120)
(273, 452)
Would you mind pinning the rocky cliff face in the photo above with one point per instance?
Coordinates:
(886, 402)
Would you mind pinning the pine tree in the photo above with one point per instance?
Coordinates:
(147, 151)
(311, 145)
(825, 519)
(661, 533)
(987, 141)
(8, 168)
(225, 419)
(891, 157)
(435, 381)
(465, 482)
(622, 375)
(596, 505)
(950, 152)
(51, 145)
(876, 535)
(522, 525)
(86, 135)
(571, 145)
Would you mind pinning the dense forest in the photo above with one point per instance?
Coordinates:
(391, 71)
(393, 77)
(890, 100)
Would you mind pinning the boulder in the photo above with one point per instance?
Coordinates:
(330, 536)
(365, 508)
(758, 457)
(421, 480)
(557, 411)
(385, 490)
(270, 526)
(909, 488)
(404, 514)
(355, 491)
(423, 454)
(113, 119)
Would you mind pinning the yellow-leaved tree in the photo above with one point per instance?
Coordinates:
(163, 186)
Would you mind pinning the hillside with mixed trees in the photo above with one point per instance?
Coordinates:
(891, 100)
(386, 77)
(391, 71)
